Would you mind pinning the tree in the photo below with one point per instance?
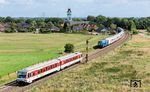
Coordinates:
(132, 25)
(108, 22)
(29, 21)
(20, 20)
(91, 18)
(23, 30)
(44, 30)
(113, 26)
(66, 27)
(32, 28)
(41, 24)
(2, 19)
(13, 27)
(125, 23)
(134, 31)
(101, 19)
(77, 19)
(9, 19)
(148, 29)
(49, 25)
(100, 26)
(117, 21)
(69, 48)
(9, 30)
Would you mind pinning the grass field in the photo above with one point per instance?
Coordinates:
(110, 73)
(20, 50)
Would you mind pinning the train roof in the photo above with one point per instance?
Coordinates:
(121, 29)
(39, 66)
(112, 37)
(70, 55)
(103, 40)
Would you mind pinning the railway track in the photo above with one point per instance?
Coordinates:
(14, 87)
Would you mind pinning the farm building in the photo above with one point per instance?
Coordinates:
(23, 25)
(55, 29)
(2, 28)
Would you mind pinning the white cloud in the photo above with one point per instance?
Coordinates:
(101, 2)
(79, 1)
(3, 2)
(84, 1)
(21, 2)
(79, 7)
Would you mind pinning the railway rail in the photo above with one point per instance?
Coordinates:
(14, 87)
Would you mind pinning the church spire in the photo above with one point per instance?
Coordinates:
(69, 14)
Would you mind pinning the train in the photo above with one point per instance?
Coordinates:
(32, 73)
(105, 42)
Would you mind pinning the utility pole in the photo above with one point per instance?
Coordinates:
(87, 50)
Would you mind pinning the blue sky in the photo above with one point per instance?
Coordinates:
(80, 8)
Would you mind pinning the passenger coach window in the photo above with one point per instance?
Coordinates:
(29, 75)
(21, 76)
(38, 71)
(46, 68)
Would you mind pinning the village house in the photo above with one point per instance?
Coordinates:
(2, 28)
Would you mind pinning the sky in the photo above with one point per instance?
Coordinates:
(80, 8)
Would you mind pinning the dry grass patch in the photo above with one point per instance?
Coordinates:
(110, 73)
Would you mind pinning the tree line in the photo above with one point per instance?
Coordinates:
(130, 24)
(45, 24)
(30, 24)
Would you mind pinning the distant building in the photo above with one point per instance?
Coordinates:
(23, 25)
(2, 28)
(102, 30)
(55, 29)
(78, 22)
(77, 25)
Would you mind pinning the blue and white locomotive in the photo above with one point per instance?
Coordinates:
(112, 39)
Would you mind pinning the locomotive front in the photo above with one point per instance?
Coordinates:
(21, 76)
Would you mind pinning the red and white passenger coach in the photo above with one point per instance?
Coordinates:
(29, 74)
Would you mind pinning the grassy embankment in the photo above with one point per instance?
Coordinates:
(20, 50)
(110, 73)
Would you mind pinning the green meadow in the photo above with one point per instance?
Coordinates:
(109, 73)
(20, 50)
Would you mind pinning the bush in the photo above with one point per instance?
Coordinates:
(134, 31)
(9, 30)
(22, 30)
(148, 29)
(69, 48)
(43, 30)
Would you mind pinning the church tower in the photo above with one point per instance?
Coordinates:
(69, 14)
